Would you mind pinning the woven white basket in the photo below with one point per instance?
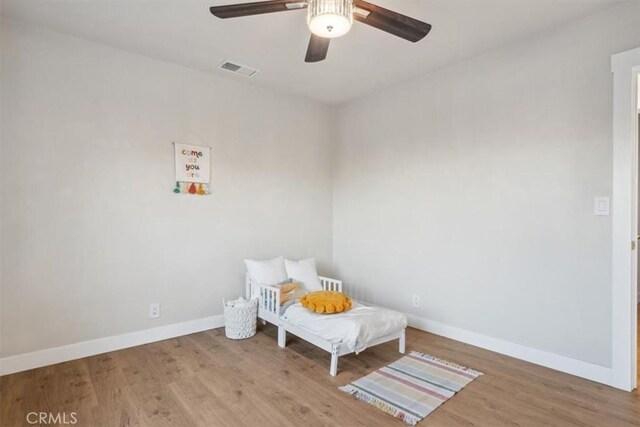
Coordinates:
(240, 322)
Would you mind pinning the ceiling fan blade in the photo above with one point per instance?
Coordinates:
(256, 8)
(390, 21)
(317, 49)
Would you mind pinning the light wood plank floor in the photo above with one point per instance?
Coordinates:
(204, 379)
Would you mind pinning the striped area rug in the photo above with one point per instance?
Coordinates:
(412, 387)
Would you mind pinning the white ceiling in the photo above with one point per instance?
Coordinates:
(184, 32)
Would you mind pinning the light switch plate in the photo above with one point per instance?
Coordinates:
(601, 206)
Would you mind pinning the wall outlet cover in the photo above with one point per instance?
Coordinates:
(154, 310)
(415, 301)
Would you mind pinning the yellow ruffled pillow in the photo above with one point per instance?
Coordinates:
(326, 302)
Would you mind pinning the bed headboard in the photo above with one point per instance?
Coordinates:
(327, 283)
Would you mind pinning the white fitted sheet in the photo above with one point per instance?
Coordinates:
(355, 328)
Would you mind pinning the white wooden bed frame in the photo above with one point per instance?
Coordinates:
(269, 311)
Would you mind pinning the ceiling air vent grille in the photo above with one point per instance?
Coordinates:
(238, 69)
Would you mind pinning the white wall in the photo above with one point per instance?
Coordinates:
(473, 188)
(92, 232)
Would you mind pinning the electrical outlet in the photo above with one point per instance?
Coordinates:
(154, 310)
(415, 301)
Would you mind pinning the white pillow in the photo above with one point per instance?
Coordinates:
(267, 272)
(304, 271)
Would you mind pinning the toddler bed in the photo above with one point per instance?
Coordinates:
(339, 334)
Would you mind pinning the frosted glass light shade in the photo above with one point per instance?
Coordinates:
(330, 18)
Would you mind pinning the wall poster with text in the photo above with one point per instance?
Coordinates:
(193, 169)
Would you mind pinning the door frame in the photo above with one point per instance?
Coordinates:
(625, 67)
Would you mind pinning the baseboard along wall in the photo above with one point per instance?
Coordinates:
(36, 359)
(579, 368)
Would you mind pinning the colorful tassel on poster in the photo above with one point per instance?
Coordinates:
(177, 189)
(201, 191)
(192, 188)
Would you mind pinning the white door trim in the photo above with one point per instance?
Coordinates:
(625, 67)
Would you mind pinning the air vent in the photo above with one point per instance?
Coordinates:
(238, 69)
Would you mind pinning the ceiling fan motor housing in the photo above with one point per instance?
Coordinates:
(330, 18)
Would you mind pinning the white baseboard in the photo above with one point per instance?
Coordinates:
(571, 366)
(36, 359)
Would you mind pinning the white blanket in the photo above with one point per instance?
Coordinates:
(356, 328)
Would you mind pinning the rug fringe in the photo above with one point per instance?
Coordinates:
(383, 406)
(447, 363)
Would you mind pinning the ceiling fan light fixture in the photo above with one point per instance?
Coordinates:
(330, 18)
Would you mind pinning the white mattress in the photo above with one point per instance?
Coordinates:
(356, 328)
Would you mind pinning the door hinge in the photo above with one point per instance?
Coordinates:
(633, 245)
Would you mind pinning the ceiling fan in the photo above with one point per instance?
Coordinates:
(328, 19)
